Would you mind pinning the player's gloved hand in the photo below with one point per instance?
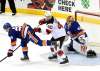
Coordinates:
(10, 53)
(48, 31)
(42, 21)
(37, 29)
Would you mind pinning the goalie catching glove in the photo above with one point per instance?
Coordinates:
(10, 53)
(91, 54)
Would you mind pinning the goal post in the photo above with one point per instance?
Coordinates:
(86, 13)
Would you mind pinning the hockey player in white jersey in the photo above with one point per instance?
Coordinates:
(58, 36)
(79, 38)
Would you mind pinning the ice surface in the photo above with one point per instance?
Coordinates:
(38, 55)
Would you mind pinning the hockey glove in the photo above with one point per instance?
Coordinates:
(10, 53)
(48, 31)
(37, 29)
(91, 54)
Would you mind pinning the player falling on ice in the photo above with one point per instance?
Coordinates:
(79, 38)
(58, 36)
(26, 33)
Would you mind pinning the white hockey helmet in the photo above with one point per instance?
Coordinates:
(48, 15)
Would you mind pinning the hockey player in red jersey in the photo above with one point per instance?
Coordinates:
(79, 38)
(26, 33)
(58, 36)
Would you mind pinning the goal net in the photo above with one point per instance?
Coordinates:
(90, 21)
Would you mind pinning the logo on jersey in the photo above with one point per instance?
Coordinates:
(50, 26)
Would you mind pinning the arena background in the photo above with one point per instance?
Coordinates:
(60, 8)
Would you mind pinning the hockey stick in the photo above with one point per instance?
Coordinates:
(7, 56)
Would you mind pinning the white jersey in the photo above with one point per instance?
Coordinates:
(56, 32)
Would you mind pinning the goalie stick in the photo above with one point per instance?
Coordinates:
(7, 56)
